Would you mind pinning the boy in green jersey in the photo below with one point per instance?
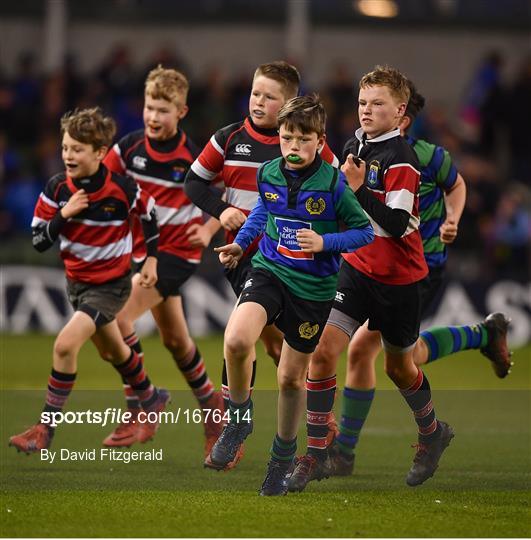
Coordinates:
(301, 201)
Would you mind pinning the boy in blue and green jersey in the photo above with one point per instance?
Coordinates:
(302, 201)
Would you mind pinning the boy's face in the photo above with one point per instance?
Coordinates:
(299, 149)
(265, 101)
(378, 110)
(161, 117)
(80, 159)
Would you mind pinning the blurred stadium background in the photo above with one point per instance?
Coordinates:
(470, 58)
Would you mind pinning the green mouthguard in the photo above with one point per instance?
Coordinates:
(294, 159)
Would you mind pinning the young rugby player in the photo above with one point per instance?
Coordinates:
(293, 278)
(441, 203)
(158, 158)
(89, 209)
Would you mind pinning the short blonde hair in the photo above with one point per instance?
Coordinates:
(89, 126)
(168, 84)
(397, 83)
(282, 72)
(305, 113)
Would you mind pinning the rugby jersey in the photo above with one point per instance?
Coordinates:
(160, 168)
(96, 244)
(319, 199)
(437, 176)
(392, 177)
(233, 155)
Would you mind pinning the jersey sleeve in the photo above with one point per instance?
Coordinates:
(210, 161)
(329, 156)
(447, 173)
(113, 160)
(401, 181)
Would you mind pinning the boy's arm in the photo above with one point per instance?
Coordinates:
(48, 219)
(253, 227)
(359, 230)
(200, 235)
(454, 201)
(393, 215)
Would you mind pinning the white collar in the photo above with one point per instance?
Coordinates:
(389, 135)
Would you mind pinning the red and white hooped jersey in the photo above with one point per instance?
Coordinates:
(233, 156)
(96, 244)
(160, 168)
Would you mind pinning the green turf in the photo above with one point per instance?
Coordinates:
(481, 488)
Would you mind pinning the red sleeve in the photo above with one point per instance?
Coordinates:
(143, 204)
(113, 160)
(401, 182)
(329, 156)
(210, 161)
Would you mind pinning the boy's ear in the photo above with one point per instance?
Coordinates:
(321, 142)
(183, 111)
(401, 109)
(102, 152)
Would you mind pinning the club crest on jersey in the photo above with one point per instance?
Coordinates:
(139, 162)
(315, 207)
(372, 177)
(178, 173)
(307, 331)
(273, 197)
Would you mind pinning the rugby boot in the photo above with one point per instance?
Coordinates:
(34, 439)
(147, 428)
(213, 429)
(276, 481)
(126, 433)
(309, 468)
(225, 450)
(427, 457)
(496, 349)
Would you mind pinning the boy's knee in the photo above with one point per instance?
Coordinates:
(176, 344)
(63, 349)
(291, 383)
(273, 349)
(237, 344)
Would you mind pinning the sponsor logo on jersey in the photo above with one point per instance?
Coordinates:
(372, 177)
(315, 207)
(139, 162)
(340, 296)
(109, 209)
(287, 238)
(273, 197)
(307, 330)
(243, 149)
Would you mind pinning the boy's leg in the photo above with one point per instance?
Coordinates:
(489, 336)
(434, 436)
(169, 316)
(358, 394)
(291, 375)
(60, 382)
(243, 331)
(129, 364)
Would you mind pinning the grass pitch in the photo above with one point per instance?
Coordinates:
(481, 488)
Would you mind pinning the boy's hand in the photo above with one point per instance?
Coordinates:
(76, 204)
(448, 231)
(354, 170)
(229, 255)
(232, 219)
(310, 241)
(148, 274)
(198, 235)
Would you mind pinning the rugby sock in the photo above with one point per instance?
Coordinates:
(132, 370)
(418, 397)
(59, 387)
(283, 451)
(225, 383)
(354, 410)
(444, 340)
(193, 368)
(320, 395)
(240, 412)
(130, 397)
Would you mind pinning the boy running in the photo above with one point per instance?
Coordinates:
(441, 202)
(292, 281)
(89, 209)
(158, 158)
(233, 155)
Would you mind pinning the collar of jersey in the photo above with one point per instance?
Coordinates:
(175, 153)
(266, 136)
(97, 181)
(386, 136)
